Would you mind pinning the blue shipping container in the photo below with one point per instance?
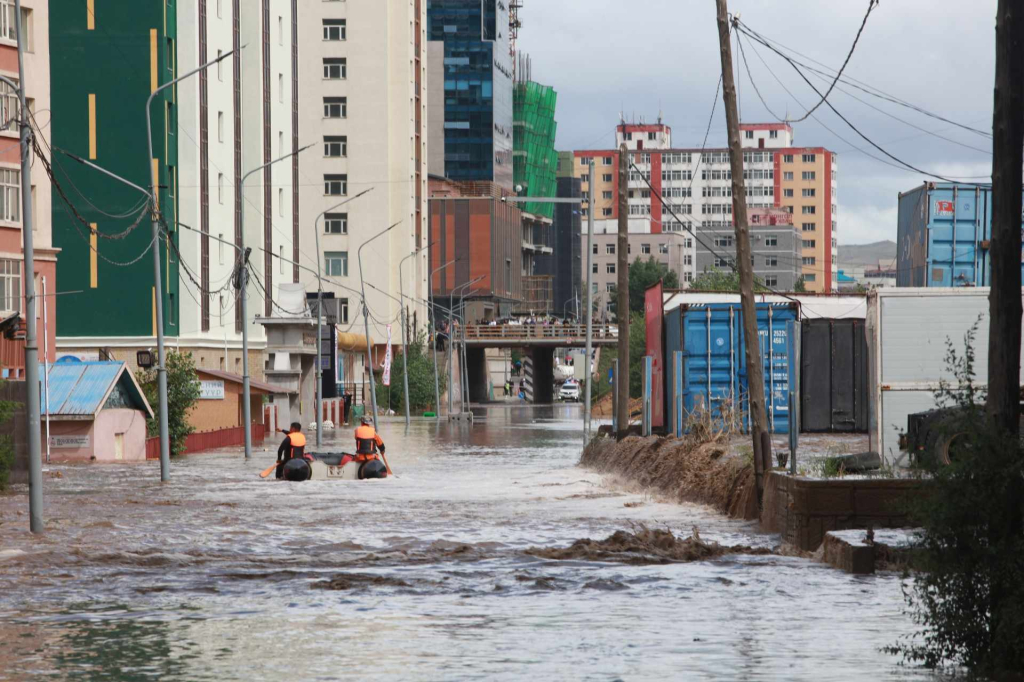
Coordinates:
(943, 236)
(714, 365)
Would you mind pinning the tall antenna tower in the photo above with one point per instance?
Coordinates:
(513, 31)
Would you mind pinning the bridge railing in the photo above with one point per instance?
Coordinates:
(539, 332)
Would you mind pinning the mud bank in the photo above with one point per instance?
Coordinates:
(715, 473)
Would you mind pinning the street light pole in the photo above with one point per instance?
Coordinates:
(161, 367)
(433, 325)
(405, 345)
(246, 406)
(319, 320)
(35, 465)
(366, 321)
(451, 340)
(590, 303)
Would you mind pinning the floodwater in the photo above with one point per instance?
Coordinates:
(219, 575)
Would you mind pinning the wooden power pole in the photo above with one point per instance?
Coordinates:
(755, 366)
(622, 288)
(1004, 299)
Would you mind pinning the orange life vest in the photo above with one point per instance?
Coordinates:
(366, 440)
(298, 442)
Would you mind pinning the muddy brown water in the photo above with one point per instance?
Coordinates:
(442, 573)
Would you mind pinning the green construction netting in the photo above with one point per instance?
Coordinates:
(535, 161)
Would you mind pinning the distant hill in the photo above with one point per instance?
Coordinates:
(866, 254)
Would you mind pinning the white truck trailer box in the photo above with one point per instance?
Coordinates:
(907, 332)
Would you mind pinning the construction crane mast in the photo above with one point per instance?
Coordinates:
(513, 31)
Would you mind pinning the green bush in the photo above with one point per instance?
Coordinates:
(7, 408)
(182, 395)
(421, 379)
(969, 597)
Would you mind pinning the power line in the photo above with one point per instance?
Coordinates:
(871, 5)
(843, 118)
(865, 87)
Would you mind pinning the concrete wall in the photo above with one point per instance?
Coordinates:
(780, 263)
(102, 432)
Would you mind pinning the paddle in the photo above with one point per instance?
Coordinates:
(269, 470)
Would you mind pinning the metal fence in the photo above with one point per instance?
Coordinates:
(210, 440)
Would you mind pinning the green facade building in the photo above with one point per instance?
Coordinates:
(535, 160)
(105, 60)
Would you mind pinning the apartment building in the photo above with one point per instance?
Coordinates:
(35, 28)
(698, 191)
(208, 132)
(362, 101)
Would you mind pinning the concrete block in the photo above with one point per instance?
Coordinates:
(849, 551)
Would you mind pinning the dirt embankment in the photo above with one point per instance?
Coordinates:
(685, 469)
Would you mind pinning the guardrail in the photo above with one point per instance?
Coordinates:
(539, 332)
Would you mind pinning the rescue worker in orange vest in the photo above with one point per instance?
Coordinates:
(294, 445)
(367, 440)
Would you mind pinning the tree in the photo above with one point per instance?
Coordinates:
(7, 408)
(637, 351)
(800, 287)
(643, 274)
(182, 395)
(721, 280)
(421, 379)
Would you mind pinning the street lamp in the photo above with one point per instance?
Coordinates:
(319, 320)
(405, 360)
(246, 407)
(161, 366)
(366, 321)
(590, 274)
(451, 338)
(433, 325)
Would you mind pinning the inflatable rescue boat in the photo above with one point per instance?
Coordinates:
(334, 466)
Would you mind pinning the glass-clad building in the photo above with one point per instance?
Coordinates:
(477, 88)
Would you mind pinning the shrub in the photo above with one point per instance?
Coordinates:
(969, 598)
(182, 395)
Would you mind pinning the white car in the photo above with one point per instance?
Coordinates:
(570, 391)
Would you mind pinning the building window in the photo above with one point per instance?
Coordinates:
(662, 248)
(8, 105)
(723, 241)
(335, 146)
(808, 227)
(610, 249)
(773, 134)
(808, 175)
(220, 247)
(336, 185)
(7, 26)
(645, 248)
(607, 160)
(771, 281)
(609, 287)
(723, 263)
(808, 158)
(280, 87)
(809, 243)
(787, 158)
(606, 195)
(280, 143)
(593, 268)
(771, 240)
(219, 3)
(606, 212)
(809, 192)
(280, 260)
(335, 107)
(808, 210)
(336, 223)
(220, 188)
(335, 68)
(606, 177)
(687, 276)
(10, 282)
(280, 202)
(688, 259)
(10, 196)
(594, 248)
(787, 192)
(809, 260)
(610, 268)
(771, 262)
(220, 126)
(749, 134)
(334, 29)
(810, 277)
(336, 263)
(787, 175)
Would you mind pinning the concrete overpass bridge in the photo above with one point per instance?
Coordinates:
(539, 340)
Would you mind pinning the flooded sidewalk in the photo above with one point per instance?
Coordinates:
(458, 568)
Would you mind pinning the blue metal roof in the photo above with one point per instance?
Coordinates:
(80, 388)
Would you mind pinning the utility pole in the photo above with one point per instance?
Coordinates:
(35, 465)
(590, 300)
(621, 387)
(1005, 297)
(755, 368)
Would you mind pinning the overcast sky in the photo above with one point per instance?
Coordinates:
(640, 57)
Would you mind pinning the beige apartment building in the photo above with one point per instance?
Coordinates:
(362, 102)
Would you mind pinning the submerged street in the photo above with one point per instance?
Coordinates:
(219, 575)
